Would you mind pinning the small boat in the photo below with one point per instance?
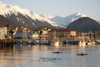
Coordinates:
(57, 52)
(90, 43)
(82, 43)
(82, 54)
(56, 44)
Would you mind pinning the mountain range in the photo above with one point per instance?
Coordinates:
(25, 17)
(65, 21)
(17, 16)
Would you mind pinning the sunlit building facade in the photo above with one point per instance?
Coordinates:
(3, 32)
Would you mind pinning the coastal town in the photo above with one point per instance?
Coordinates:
(49, 33)
(47, 36)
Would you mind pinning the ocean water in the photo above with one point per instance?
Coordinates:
(43, 56)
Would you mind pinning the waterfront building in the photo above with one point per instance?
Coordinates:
(83, 36)
(44, 36)
(35, 35)
(23, 33)
(3, 32)
(63, 34)
(88, 36)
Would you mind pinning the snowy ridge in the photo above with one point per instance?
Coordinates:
(48, 17)
(10, 9)
(79, 14)
(65, 21)
(76, 16)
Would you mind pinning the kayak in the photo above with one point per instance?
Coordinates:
(81, 54)
(57, 52)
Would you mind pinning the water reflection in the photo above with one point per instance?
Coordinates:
(43, 56)
(49, 59)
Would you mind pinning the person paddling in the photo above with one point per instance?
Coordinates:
(82, 54)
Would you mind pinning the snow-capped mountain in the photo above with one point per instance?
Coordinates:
(24, 16)
(48, 17)
(65, 21)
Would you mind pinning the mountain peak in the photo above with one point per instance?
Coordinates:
(85, 24)
(80, 14)
(77, 13)
(65, 21)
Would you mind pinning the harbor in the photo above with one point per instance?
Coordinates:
(43, 56)
(23, 47)
(50, 33)
(47, 37)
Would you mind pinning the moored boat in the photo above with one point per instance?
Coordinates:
(82, 43)
(90, 43)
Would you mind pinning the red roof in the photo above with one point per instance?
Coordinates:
(61, 30)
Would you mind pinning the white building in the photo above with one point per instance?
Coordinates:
(22, 35)
(3, 32)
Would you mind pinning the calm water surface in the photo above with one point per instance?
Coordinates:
(43, 56)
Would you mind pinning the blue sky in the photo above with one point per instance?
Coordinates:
(60, 7)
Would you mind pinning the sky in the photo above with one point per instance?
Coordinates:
(60, 7)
